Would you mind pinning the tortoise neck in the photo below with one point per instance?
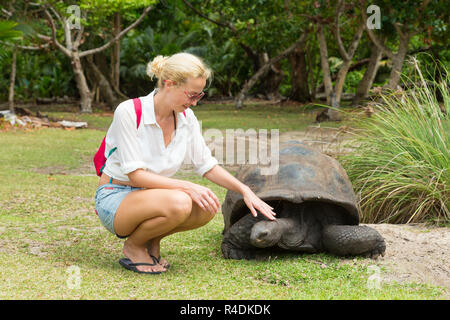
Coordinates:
(285, 223)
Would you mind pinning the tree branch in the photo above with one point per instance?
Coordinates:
(346, 54)
(55, 41)
(118, 37)
(373, 37)
(220, 24)
(7, 13)
(356, 39)
(79, 36)
(230, 26)
(399, 30)
(67, 33)
(77, 41)
(337, 32)
(250, 83)
(39, 47)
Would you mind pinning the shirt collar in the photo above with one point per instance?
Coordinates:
(148, 111)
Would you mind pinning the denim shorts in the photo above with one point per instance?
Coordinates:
(107, 199)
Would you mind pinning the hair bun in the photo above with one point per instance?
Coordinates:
(155, 67)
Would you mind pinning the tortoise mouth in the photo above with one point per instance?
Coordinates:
(265, 234)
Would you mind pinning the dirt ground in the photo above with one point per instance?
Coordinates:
(415, 253)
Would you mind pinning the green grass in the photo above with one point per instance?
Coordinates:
(224, 116)
(402, 164)
(48, 224)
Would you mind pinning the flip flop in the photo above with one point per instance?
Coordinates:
(127, 264)
(158, 261)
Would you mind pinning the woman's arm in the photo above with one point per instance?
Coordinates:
(222, 177)
(203, 196)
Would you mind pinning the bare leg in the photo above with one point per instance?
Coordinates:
(147, 214)
(196, 219)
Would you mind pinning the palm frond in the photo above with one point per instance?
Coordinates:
(7, 31)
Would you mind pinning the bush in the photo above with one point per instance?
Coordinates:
(401, 167)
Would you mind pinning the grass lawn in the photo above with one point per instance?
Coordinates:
(50, 237)
(225, 116)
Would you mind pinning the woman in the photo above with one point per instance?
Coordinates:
(136, 198)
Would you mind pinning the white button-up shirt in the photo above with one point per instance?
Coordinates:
(144, 147)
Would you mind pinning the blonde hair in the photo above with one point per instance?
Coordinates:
(178, 67)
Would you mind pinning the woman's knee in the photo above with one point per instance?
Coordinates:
(207, 218)
(201, 217)
(179, 206)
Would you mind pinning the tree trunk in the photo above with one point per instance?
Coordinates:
(103, 83)
(83, 88)
(324, 63)
(272, 82)
(397, 63)
(12, 80)
(115, 52)
(239, 101)
(299, 76)
(340, 80)
(347, 56)
(369, 76)
(271, 78)
(311, 75)
(398, 58)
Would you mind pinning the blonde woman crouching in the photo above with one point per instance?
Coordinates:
(136, 198)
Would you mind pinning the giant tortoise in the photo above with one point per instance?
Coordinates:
(316, 209)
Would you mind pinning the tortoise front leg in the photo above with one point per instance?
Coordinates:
(231, 251)
(236, 240)
(353, 240)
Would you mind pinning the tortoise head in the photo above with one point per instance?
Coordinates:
(266, 233)
(284, 232)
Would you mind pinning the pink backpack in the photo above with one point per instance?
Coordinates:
(99, 158)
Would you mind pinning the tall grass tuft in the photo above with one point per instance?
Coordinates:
(401, 167)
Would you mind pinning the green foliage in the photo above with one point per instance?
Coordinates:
(99, 12)
(38, 75)
(402, 164)
(258, 26)
(352, 80)
(335, 64)
(8, 31)
(411, 16)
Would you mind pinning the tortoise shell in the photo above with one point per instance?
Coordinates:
(304, 175)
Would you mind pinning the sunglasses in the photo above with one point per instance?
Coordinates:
(194, 97)
(191, 97)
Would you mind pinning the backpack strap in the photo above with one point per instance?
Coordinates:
(138, 108)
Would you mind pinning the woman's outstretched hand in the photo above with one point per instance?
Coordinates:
(223, 178)
(254, 203)
(204, 197)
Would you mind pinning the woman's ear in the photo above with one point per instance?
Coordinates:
(169, 83)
